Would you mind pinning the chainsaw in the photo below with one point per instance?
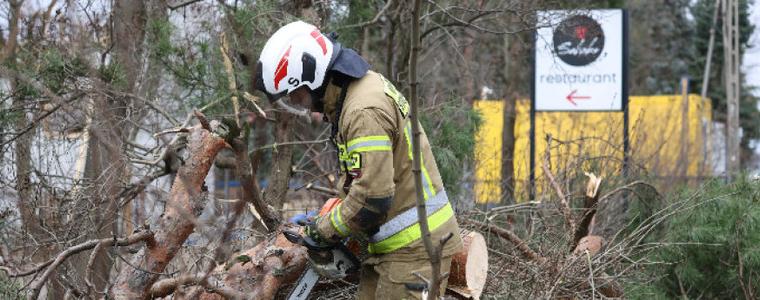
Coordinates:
(333, 261)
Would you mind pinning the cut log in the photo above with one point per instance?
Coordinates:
(592, 243)
(469, 267)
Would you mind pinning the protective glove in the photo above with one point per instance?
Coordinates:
(309, 221)
(310, 230)
(304, 218)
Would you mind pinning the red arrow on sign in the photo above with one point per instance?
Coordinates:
(572, 97)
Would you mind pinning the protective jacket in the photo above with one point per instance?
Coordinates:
(374, 135)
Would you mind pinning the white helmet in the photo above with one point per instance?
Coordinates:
(297, 54)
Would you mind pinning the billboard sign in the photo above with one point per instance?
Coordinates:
(579, 60)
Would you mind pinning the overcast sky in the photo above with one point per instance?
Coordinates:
(752, 55)
(751, 63)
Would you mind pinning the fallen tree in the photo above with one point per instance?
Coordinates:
(276, 263)
(177, 222)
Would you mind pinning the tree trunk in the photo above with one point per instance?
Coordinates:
(512, 49)
(282, 159)
(31, 221)
(147, 88)
(106, 170)
(104, 176)
(508, 150)
(188, 197)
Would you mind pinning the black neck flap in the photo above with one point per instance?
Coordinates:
(342, 82)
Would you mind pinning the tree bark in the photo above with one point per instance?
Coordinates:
(510, 75)
(177, 223)
(282, 158)
(273, 264)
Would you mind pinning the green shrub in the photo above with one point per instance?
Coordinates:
(451, 130)
(711, 251)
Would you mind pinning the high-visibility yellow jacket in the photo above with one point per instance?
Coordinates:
(375, 154)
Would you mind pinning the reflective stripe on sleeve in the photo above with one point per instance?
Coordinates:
(337, 221)
(369, 143)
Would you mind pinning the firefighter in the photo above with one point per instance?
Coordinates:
(371, 130)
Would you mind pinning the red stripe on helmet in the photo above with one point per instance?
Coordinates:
(282, 69)
(320, 40)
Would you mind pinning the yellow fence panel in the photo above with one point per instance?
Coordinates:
(488, 151)
(668, 137)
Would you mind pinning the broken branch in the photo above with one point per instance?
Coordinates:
(592, 198)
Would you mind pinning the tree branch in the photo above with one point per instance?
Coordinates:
(374, 20)
(275, 145)
(251, 190)
(165, 287)
(90, 264)
(564, 204)
(37, 284)
(31, 271)
(181, 4)
(526, 251)
(433, 251)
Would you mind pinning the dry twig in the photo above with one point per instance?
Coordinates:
(564, 203)
(512, 237)
(36, 285)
